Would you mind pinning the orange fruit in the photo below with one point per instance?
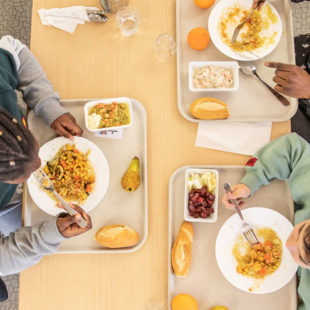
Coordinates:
(198, 38)
(184, 302)
(204, 4)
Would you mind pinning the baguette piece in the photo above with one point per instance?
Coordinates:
(182, 250)
(209, 108)
(117, 236)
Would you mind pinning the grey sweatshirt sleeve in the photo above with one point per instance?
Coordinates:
(37, 91)
(26, 246)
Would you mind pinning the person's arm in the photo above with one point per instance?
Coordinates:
(286, 157)
(39, 95)
(291, 80)
(257, 4)
(26, 246)
(37, 91)
(283, 158)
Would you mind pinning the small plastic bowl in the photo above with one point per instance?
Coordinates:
(90, 104)
(211, 218)
(232, 65)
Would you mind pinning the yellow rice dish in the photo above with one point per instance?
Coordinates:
(251, 35)
(72, 174)
(262, 259)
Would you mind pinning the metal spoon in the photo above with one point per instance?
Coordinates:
(250, 69)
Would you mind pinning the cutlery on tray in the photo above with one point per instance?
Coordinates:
(238, 28)
(246, 228)
(250, 69)
(47, 184)
(95, 15)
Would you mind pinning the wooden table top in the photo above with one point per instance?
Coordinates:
(96, 61)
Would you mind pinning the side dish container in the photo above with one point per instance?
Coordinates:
(213, 216)
(230, 65)
(91, 104)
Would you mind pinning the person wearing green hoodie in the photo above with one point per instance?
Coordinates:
(285, 158)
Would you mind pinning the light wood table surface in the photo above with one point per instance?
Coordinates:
(96, 61)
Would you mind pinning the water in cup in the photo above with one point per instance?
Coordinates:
(128, 20)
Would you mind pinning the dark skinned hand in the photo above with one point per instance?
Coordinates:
(67, 223)
(65, 125)
(255, 2)
(291, 80)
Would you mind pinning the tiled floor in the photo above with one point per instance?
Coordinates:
(301, 17)
(15, 19)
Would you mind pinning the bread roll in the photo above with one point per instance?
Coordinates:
(209, 108)
(182, 250)
(117, 236)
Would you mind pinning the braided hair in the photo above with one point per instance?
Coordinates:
(17, 145)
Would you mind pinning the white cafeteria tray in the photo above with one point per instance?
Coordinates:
(205, 281)
(253, 101)
(117, 206)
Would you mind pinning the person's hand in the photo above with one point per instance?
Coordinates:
(67, 224)
(291, 80)
(257, 4)
(239, 191)
(65, 125)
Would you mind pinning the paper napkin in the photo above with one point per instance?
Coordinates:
(64, 18)
(242, 138)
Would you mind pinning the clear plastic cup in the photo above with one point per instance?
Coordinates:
(165, 46)
(128, 20)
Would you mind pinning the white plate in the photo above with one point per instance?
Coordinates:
(257, 217)
(98, 160)
(216, 38)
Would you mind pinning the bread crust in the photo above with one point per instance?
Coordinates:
(182, 249)
(198, 111)
(117, 236)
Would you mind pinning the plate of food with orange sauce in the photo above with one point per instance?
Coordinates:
(264, 267)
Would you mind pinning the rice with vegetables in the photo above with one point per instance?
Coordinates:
(260, 260)
(72, 174)
(104, 115)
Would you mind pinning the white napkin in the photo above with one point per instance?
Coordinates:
(241, 138)
(65, 18)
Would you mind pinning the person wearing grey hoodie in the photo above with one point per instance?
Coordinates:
(19, 70)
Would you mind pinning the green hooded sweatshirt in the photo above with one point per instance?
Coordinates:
(286, 158)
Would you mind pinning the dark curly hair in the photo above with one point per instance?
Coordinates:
(17, 146)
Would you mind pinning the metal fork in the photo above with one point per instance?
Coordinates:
(42, 177)
(238, 28)
(246, 228)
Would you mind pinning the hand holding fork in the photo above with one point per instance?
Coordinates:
(77, 215)
(246, 228)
